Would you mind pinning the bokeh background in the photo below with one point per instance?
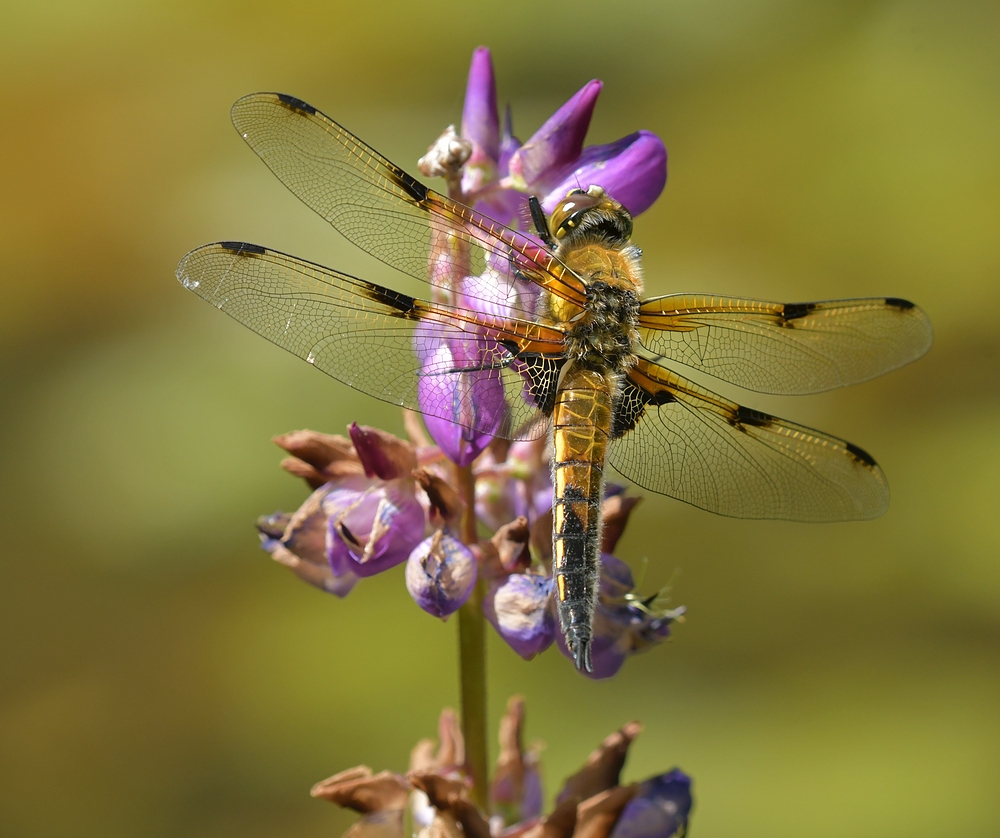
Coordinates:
(159, 676)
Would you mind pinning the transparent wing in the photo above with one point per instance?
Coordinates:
(684, 441)
(481, 371)
(785, 348)
(391, 215)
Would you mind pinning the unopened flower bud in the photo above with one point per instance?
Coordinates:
(440, 574)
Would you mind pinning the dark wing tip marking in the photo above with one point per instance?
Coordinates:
(899, 303)
(243, 247)
(861, 454)
(793, 311)
(296, 104)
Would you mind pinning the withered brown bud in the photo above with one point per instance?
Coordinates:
(559, 824)
(318, 458)
(445, 501)
(615, 512)
(362, 791)
(451, 797)
(541, 536)
(603, 766)
(511, 541)
(597, 816)
(450, 752)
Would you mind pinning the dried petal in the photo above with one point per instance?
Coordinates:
(615, 512)
(603, 766)
(518, 608)
(596, 816)
(440, 574)
(382, 454)
(328, 455)
(452, 797)
(446, 157)
(511, 543)
(660, 809)
(360, 790)
(446, 505)
(515, 791)
(560, 823)
(386, 824)
(319, 575)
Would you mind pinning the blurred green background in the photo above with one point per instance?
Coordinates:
(159, 676)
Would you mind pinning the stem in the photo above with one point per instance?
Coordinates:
(472, 657)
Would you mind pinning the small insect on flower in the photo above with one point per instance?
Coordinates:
(545, 330)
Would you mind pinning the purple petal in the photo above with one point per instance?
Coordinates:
(660, 809)
(462, 411)
(440, 574)
(533, 796)
(606, 651)
(632, 170)
(519, 610)
(559, 141)
(480, 120)
(507, 206)
(508, 142)
(616, 577)
(376, 531)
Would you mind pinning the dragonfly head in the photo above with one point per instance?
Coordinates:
(591, 214)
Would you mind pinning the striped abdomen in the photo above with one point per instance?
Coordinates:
(581, 425)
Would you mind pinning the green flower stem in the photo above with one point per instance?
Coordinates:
(472, 657)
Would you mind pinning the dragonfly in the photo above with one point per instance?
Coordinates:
(547, 331)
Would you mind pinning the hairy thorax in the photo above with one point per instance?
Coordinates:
(604, 335)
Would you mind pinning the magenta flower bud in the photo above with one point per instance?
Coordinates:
(372, 525)
(480, 120)
(632, 170)
(518, 609)
(660, 809)
(559, 141)
(440, 574)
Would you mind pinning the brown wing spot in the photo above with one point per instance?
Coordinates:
(793, 311)
(403, 303)
(744, 417)
(243, 248)
(899, 303)
(292, 103)
(409, 184)
(862, 455)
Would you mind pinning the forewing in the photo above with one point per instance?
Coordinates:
(785, 348)
(484, 372)
(391, 215)
(684, 441)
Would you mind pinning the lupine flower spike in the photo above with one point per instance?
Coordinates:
(593, 802)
